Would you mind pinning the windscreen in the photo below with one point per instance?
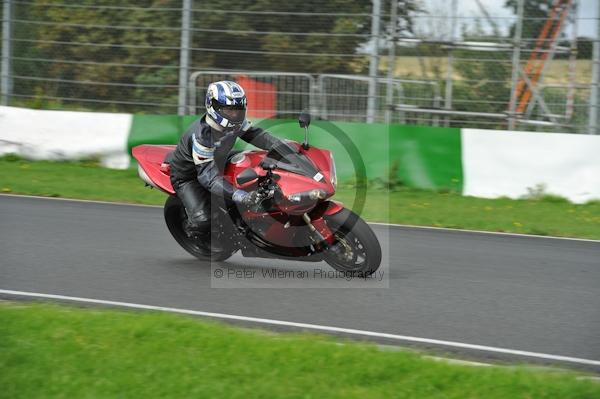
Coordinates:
(286, 157)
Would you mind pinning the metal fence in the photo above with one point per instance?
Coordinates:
(329, 96)
(270, 94)
(345, 97)
(518, 64)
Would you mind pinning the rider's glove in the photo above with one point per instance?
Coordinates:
(249, 199)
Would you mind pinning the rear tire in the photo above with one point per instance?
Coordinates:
(362, 254)
(175, 218)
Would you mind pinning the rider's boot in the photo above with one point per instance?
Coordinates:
(208, 237)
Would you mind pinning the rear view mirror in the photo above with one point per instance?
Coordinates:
(246, 176)
(304, 119)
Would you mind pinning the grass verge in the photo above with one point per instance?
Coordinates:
(62, 351)
(544, 216)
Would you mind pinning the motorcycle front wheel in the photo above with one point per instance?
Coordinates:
(360, 252)
(175, 218)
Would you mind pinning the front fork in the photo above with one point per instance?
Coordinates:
(321, 232)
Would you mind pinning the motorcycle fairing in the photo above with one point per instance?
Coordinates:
(151, 159)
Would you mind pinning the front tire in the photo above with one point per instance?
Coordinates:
(175, 218)
(362, 251)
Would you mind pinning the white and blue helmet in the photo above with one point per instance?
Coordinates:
(225, 106)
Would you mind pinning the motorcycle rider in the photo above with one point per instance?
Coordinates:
(198, 162)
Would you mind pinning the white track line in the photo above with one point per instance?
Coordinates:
(78, 200)
(310, 327)
(458, 361)
(497, 233)
(373, 223)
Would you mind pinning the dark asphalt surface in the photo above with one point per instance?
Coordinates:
(525, 293)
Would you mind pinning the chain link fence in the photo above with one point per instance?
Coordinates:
(518, 64)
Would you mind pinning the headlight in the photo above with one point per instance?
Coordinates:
(333, 171)
(311, 195)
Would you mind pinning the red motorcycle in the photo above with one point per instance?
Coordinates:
(296, 219)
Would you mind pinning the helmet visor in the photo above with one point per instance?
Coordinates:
(234, 114)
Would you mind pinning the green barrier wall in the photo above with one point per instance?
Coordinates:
(427, 157)
(157, 129)
(422, 157)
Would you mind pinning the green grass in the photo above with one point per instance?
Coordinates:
(48, 351)
(83, 180)
(544, 216)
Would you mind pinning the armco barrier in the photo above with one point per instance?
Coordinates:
(481, 163)
(503, 163)
(37, 134)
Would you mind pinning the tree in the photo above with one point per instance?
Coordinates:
(102, 52)
(485, 83)
(535, 13)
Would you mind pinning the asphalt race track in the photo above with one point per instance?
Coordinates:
(523, 293)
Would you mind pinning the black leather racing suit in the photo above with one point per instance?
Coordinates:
(198, 162)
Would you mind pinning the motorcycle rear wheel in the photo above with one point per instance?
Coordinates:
(362, 251)
(175, 218)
